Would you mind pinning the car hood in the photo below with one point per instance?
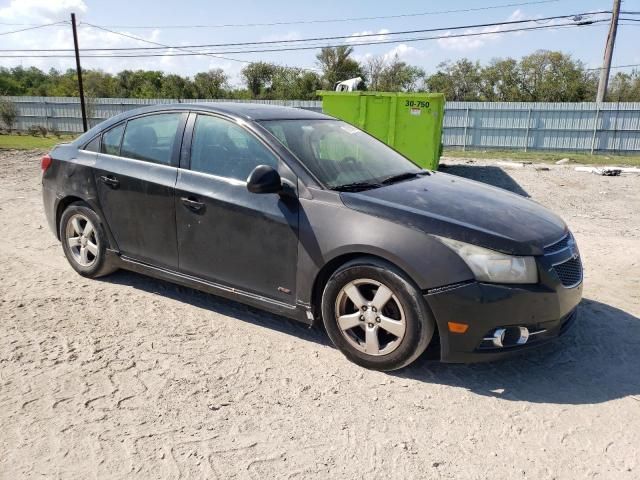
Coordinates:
(464, 210)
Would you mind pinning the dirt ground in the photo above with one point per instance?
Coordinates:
(130, 377)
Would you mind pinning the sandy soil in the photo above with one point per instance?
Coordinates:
(133, 377)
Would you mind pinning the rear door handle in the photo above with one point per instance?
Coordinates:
(110, 180)
(192, 204)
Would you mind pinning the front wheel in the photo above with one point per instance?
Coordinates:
(375, 315)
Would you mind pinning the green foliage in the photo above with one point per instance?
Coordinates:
(259, 76)
(337, 65)
(8, 113)
(211, 84)
(625, 87)
(543, 76)
(393, 76)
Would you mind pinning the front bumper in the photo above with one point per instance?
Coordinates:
(485, 307)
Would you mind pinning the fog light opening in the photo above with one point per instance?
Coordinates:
(509, 337)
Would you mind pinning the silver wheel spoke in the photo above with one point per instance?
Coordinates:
(93, 248)
(83, 255)
(349, 321)
(371, 341)
(88, 229)
(73, 242)
(394, 327)
(382, 296)
(75, 223)
(354, 295)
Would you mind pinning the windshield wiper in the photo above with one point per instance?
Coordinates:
(402, 176)
(356, 186)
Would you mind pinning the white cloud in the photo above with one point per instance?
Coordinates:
(41, 10)
(359, 37)
(60, 37)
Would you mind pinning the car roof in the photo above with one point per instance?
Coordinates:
(258, 111)
(245, 111)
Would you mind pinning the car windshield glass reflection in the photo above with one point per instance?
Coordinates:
(341, 156)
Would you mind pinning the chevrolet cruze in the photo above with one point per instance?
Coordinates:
(306, 216)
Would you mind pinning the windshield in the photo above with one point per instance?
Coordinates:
(340, 155)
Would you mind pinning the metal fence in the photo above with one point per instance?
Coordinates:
(585, 127)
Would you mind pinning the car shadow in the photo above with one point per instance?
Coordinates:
(219, 305)
(596, 361)
(494, 176)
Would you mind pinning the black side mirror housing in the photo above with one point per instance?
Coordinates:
(264, 179)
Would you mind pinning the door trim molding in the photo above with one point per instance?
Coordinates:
(189, 280)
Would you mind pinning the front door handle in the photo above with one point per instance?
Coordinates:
(192, 203)
(110, 180)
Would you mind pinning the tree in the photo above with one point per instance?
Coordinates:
(294, 84)
(501, 81)
(625, 87)
(547, 76)
(8, 113)
(374, 68)
(397, 76)
(459, 81)
(211, 84)
(258, 76)
(337, 65)
(175, 86)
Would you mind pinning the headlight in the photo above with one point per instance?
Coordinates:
(495, 267)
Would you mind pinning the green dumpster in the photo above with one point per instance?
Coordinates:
(411, 123)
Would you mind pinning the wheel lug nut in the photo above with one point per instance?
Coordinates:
(364, 308)
(371, 325)
(377, 319)
(374, 309)
(362, 318)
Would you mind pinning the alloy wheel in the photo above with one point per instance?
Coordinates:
(370, 316)
(82, 240)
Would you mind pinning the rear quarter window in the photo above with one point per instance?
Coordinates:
(111, 140)
(93, 145)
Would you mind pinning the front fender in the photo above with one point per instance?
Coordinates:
(330, 230)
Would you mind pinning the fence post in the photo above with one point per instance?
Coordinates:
(595, 129)
(526, 138)
(46, 115)
(466, 124)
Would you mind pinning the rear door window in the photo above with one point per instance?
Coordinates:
(111, 140)
(151, 138)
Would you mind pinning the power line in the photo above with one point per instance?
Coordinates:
(367, 35)
(617, 66)
(356, 38)
(162, 45)
(312, 47)
(34, 27)
(336, 20)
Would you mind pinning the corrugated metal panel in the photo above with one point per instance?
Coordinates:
(607, 127)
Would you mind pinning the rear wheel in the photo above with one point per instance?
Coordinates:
(84, 242)
(375, 315)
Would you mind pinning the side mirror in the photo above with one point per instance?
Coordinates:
(264, 179)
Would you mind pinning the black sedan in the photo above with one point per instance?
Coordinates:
(306, 216)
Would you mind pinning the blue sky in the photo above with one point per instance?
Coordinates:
(585, 43)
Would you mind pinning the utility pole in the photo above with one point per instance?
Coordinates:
(608, 52)
(79, 72)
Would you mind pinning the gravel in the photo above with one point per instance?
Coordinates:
(128, 376)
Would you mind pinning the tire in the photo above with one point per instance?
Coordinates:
(84, 242)
(390, 337)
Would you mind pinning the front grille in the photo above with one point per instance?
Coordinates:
(569, 272)
(559, 245)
